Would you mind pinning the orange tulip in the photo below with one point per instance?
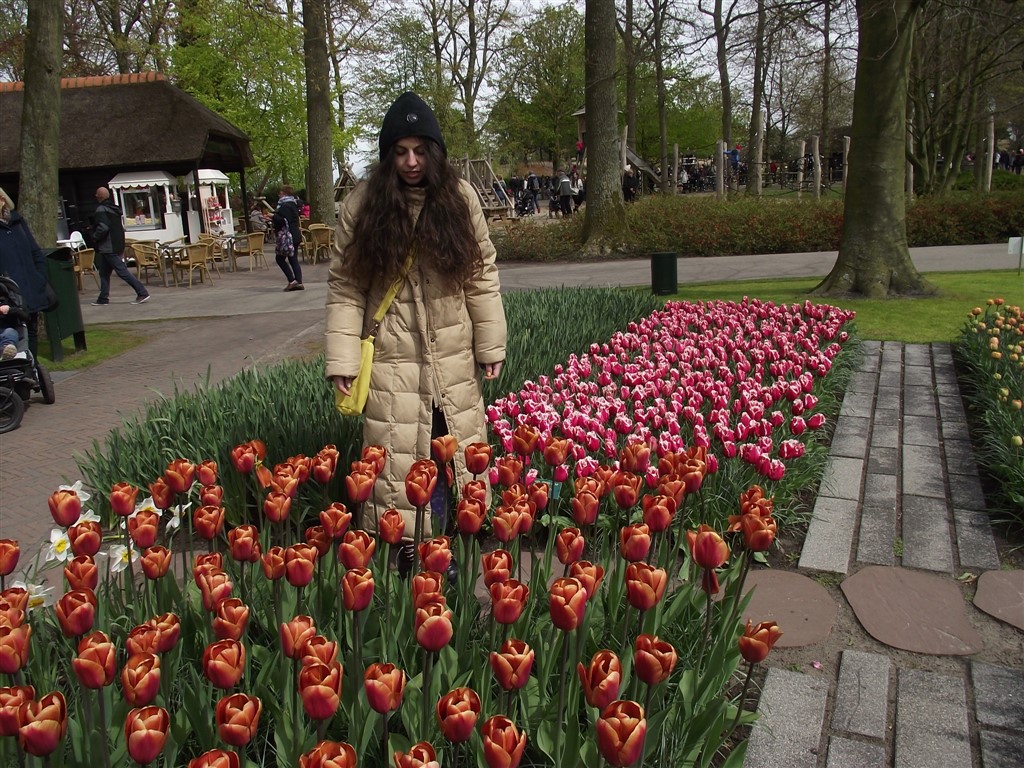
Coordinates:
(208, 561)
(230, 619)
(478, 457)
(420, 482)
(320, 689)
(508, 599)
(168, 630)
(584, 507)
(626, 488)
(427, 587)
(81, 573)
(11, 615)
(335, 520)
(273, 563)
(376, 454)
(497, 566)
(601, 680)
(277, 506)
(211, 495)
(594, 484)
(214, 586)
(754, 502)
(470, 515)
(758, 532)
(556, 451)
(359, 486)
(215, 758)
(323, 469)
(524, 440)
(635, 457)
(9, 554)
(603, 475)
(329, 754)
(299, 564)
(162, 493)
(16, 597)
(620, 733)
(384, 684)
(238, 718)
(140, 678)
(206, 472)
(567, 602)
(145, 733)
(356, 549)
(443, 448)
(244, 458)
(156, 561)
(357, 587)
(757, 642)
(42, 724)
(635, 542)
(475, 489)
(122, 499)
(645, 585)
(503, 743)
(654, 659)
(143, 528)
(707, 547)
(457, 712)
(569, 545)
(433, 626)
(507, 522)
(420, 755)
(65, 507)
(224, 662)
(319, 650)
(96, 662)
(11, 699)
(295, 634)
(145, 638)
(76, 612)
(658, 512)
(244, 544)
(86, 537)
(435, 554)
(180, 475)
(672, 486)
(208, 522)
(510, 469)
(539, 495)
(391, 526)
(512, 664)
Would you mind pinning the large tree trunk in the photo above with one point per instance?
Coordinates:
(756, 137)
(40, 126)
(629, 62)
(319, 182)
(725, 82)
(605, 217)
(874, 259)
(660, 10)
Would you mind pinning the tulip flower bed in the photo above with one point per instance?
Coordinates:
(600, 626)
(991, 365)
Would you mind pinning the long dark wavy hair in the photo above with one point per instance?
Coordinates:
(444, 236)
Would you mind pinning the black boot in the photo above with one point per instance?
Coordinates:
(452, 571)
(405, 559)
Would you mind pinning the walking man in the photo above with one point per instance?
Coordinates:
(109, 237)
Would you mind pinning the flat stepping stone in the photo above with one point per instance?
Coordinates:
(1001, 594)
(914, 611)
(803, 609)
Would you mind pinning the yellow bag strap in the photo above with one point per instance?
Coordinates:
(389, 297)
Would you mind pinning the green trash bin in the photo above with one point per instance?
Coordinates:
(66, 319)
(664, 280)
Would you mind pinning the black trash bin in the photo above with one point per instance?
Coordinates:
(66, 319)
(664, 280)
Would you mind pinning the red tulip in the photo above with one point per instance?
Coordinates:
(658, 512)
(180, 475)
(42, 724)
(215, 758)
(10, 614)
(209, 561)
(329, 754)
(512, 664)
(300, 564)
(588, 574)
(524, 440)
(376, 454)
(626, 488)
(654, 659)
(244, 544)
(470, 515)
(569, 545)
(276, 506)
(503, 743)
(420, 482)
(357, 587)
(707, 547)
(457, 712)
(391, 526)
(145, 638)
(143, 528)
(230, 619)
(211, 495)
(509, 468)
(420, 755)
(208, 522)
(244, 458)
(435, 554)
(224, 662)
(238, 718)
(556, 450)
(16, 597)
(82, 574)
(96, 662)
(645, 585)
(384, 684)
(273, 563)
(140, 678)
(443, 448)
(295, 634)
(214, 586)
(635, 457)
(508, 599)
(162, 493)
(635, 542)
(584, 508)
(320, 689)
(620, 733)
(476, 489)
(758, 532)
(433, 626)
(478, 457)
(156, 561)
(168, 630)
(323, 468)
(427, 587)
(567, 602)
(76, 612)
(601, 680)
(757, 642)
(9, 553)
(65, 507)
(206, 472)
(86, 537)
(335, 520)
(356, 549)
(145, 733)
(359, 486)
(319, 650)
(497, 566)
(11, 699)
(122, 499)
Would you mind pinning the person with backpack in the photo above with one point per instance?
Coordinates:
(563, 188)
(286, 217)
(108, 235)
(533, 189)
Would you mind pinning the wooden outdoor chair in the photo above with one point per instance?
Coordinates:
(85, 264)
(195, 259)
(251, 245)
(321, 238)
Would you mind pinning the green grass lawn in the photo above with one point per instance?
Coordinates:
(102, 342)
(916, 321)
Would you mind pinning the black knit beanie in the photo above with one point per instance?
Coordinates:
(409, 116)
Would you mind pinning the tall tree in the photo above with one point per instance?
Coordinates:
(40, 132)
(605, 217)
(319, 179)
(874, 259)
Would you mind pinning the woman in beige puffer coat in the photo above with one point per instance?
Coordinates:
(446, 326)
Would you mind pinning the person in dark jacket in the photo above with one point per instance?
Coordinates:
(287, 213)
(108, 234)
(23, 261)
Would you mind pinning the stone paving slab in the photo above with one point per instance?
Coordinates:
(1001, 594)
(847, 753)
(880, 490)
(885, 435)
(920, 430)
(959, 455)
(1001, 750)
(998, 696)
(857, 404)
(851, 437)
(883, 461)
(976, 546)
(926, 542)
(888, 398)
(915, 376)
(877, 535)
(863, 382)
(965, 491)
(931, 721)
(922, 471)
(830, 535)
(916, 354)
(803, 609)
(862, 695)
(919, 401)
(788, 732)
(842, 478)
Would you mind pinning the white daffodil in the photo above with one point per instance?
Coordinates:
(146, 504)
(120, 556)
(60, 546)
(39, 595)
(83, 495)
(88, 516)
(174, 523)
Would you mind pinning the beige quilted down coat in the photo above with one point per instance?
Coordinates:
(428, 350)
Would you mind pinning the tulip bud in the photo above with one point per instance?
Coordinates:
(215, 758)
(14, 647)
(244, 544)
(65, 507)
(295, 634)
(238, 717)
(757, 642)
(457, 713)
(567, 602)
(155, 562)
(620, 733)
(42, 724)
(443, 448)
(230, 619)
(420, 482)
(391, 526)
(645, 585)
(180, 475)
(82, 573)
(335, 520)
(145, 733)
(357, 587)
(384, 684)
(496, 566)
(478, 457)
(420, 755)
(635, 542)
(512, 664)
(140, 678)
(320, 689)
(601, 680)
(299, 564)
(356, 549)
(86, 538)
(508, 600)
(11, 699)
(76, 612)
(273, 563)
(503, 743)
(122, 499)
(654, 659)
(433, 626)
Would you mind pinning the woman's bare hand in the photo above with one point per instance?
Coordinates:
(343, 384)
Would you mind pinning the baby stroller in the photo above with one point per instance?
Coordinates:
(525, 205)
(21, 375)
